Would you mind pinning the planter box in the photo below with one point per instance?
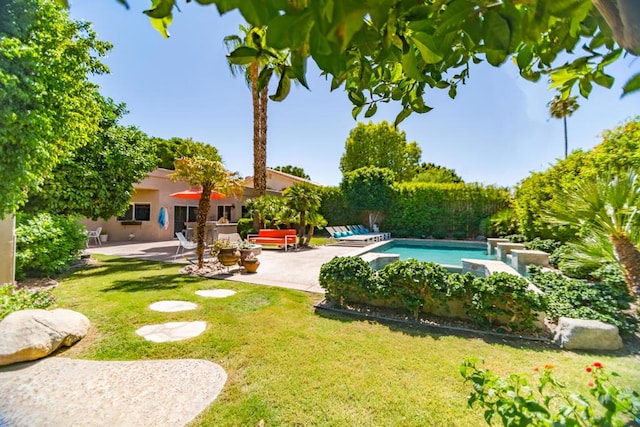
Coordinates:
(104, 238)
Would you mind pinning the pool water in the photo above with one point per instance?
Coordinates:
(438, 253)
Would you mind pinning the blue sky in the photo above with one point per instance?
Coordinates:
(496, 131)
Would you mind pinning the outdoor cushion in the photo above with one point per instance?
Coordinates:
(337, 235)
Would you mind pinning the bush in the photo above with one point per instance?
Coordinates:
(548, 403)
(545, 245)
(568, 297)
(12, 299)
(245, 226)
(420, 286)
(47, 244)
(502, 223)
(346, 278)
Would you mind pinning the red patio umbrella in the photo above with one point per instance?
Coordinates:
(194, 193)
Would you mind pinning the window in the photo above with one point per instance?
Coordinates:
(224, 211)
(137, 212)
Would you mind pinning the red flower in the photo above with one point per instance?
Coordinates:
(597, 365)
(589, 369)
(535, 369)
(590, 383)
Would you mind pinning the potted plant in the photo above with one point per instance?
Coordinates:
(104, 236)
(226, 251)
(251, 263)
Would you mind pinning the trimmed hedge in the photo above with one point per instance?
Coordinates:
(421, 287)
(335, 209)
(442, 210)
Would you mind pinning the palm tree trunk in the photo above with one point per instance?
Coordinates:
(203, 210)
(303, 225)
(566, 138)
(629, 256)
(254, 72)
(264, 99)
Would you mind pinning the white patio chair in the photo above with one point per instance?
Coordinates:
(95, 235)
(184, 244)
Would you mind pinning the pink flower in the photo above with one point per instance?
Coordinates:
(535, 369)
(590, 383)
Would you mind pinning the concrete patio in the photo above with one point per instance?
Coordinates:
(298, 269)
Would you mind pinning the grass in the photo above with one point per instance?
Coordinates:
(289, 365)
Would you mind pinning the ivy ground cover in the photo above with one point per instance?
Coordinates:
(288, 365)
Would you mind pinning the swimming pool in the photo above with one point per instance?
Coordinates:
(440, 252)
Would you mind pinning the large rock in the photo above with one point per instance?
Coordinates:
(33, 334)
(580, 334)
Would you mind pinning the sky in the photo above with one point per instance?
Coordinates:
(495, 132)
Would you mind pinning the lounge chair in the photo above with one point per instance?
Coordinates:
(95, 235)
(184, 244)
(347, 237)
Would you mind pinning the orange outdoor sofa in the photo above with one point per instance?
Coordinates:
(275, 237)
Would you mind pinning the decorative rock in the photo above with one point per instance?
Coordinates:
(216, 293)
(172, 306)
(33, 334)
(57, 391)
(172, 331)
(581, 334)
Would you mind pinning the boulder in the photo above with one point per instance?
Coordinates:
(33, 334)
(581, 334)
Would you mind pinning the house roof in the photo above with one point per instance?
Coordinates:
(248, 181)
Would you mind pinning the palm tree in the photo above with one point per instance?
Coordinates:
(607, 210)
(250, 57)
(560, 108)
(305, 199)
(209, 175)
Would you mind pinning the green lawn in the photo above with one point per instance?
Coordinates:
(289, 365)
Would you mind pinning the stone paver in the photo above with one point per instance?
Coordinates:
(216, 293)
(58, 391)
(172, 331)
(172, 306)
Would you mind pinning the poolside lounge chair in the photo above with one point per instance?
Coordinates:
(363, 230)
(347, 237)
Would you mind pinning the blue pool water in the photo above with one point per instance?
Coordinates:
(438, 252)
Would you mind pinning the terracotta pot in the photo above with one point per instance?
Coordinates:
(251, 266)
(227, 257)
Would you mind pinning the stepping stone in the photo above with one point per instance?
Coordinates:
(172, 331)
(172, 306)
(216, 293)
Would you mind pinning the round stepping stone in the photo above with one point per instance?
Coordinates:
(172, 306)
(216, 293)
(172, 331)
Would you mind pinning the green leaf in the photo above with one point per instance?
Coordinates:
(427, 47)
(456, 12)
(633, 85)
(243, 55)
(406, 112)
(603, 79)
(162, 25)
(410, 65)
(161, 9)
(497, 36)
(355, 111)
(524, 57)
(371, 110)
(356, 97)
(566, 8)
(283, 88)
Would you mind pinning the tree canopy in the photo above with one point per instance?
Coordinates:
(432, 173)
(49, 107)
(368, 189)
(292, 170)
(169, 150)
(383, 146)
(96, 181)
(398, 49)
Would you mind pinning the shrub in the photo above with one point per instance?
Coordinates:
(47, 244)
(12, 299)
(548, 403)
(503, 294)
(568, 297)
(245, 226)
(502, 223)
(416, 284)
(545, 245)
(348, 277)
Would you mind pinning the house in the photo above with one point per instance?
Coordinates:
(141, 221)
